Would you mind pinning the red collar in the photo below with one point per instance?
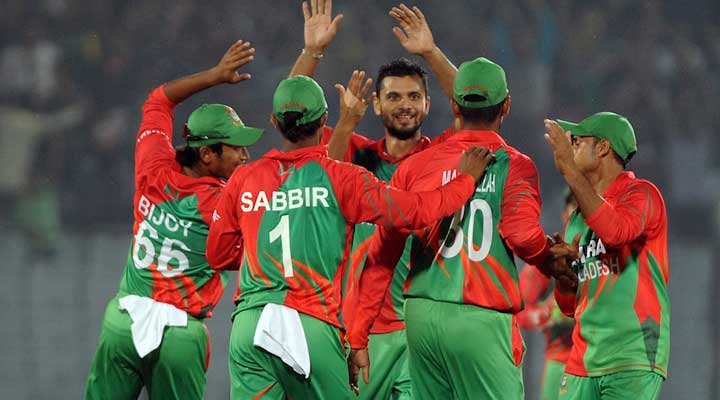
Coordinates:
(305, 152)
(619, 183)
(478, 137)
(379, 147)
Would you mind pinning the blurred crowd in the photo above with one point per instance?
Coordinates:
(75, 74)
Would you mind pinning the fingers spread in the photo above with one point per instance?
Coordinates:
(419, 14)
(340, 89)
(306, 11)
(335, 24)
(314, 9)
(366, 89)
(402, 37)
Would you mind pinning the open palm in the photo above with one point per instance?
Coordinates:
(320, 27)
(415, 35)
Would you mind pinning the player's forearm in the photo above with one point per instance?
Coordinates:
(621, 224)
(182, 88)
(419, 209)
(340, 140)
(588, 200)
(520, 228)
(342, 135)
(566, 299)
(375, 279)
(307, 62)
(443, 69)
(224, 251)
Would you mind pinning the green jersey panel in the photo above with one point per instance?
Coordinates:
(472, 264)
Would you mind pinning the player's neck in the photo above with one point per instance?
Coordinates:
(478, 126)
(287, 145)
(194, 172)
(604, 176)
(398, 148)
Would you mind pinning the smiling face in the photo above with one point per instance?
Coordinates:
(403, 105)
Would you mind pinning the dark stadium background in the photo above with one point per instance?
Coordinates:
(73, 74)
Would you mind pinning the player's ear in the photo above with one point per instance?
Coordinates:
(206, 155)
(603, 148)
(455, 109)
(427, 104)
(376, 104)
(323, 119)
(274, 121)
(506, 106)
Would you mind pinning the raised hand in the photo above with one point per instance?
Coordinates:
(561, 146)
(474, 161)
(238, 55)
(320, 27)
(415, 35)
(353, 100)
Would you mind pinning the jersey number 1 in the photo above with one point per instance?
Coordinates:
(282, 231)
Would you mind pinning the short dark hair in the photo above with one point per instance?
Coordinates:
(485, 115)
(293, 132)
(188, 156)
(401, 67)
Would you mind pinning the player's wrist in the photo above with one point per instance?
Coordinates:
(214, 76)
(313, 52)
(429, 52)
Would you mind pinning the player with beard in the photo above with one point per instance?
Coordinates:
(401, 101)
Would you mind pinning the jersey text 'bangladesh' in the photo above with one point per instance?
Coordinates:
(621, 307)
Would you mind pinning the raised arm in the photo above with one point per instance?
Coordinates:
(416, 37)
(364, 198)
(154, 138)
(239, 54)
(320, 29)
(353, 104)
(637, 213)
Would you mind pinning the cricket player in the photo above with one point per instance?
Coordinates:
(402, 103)
(621, 339)
(542, 312)
(292, 212)
(462, 292)
(153, 333)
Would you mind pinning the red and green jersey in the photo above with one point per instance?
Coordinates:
(542, 312)
(286, 221)
(373, 157)
(172, 212)
(466, 258)
(621, 307)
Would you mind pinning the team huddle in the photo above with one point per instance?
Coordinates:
(384, 269)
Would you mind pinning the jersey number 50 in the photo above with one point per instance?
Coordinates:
(487, 230)
(167, 252)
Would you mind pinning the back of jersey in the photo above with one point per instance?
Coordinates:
(463, 258)
(171, 212)
(295, 237)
